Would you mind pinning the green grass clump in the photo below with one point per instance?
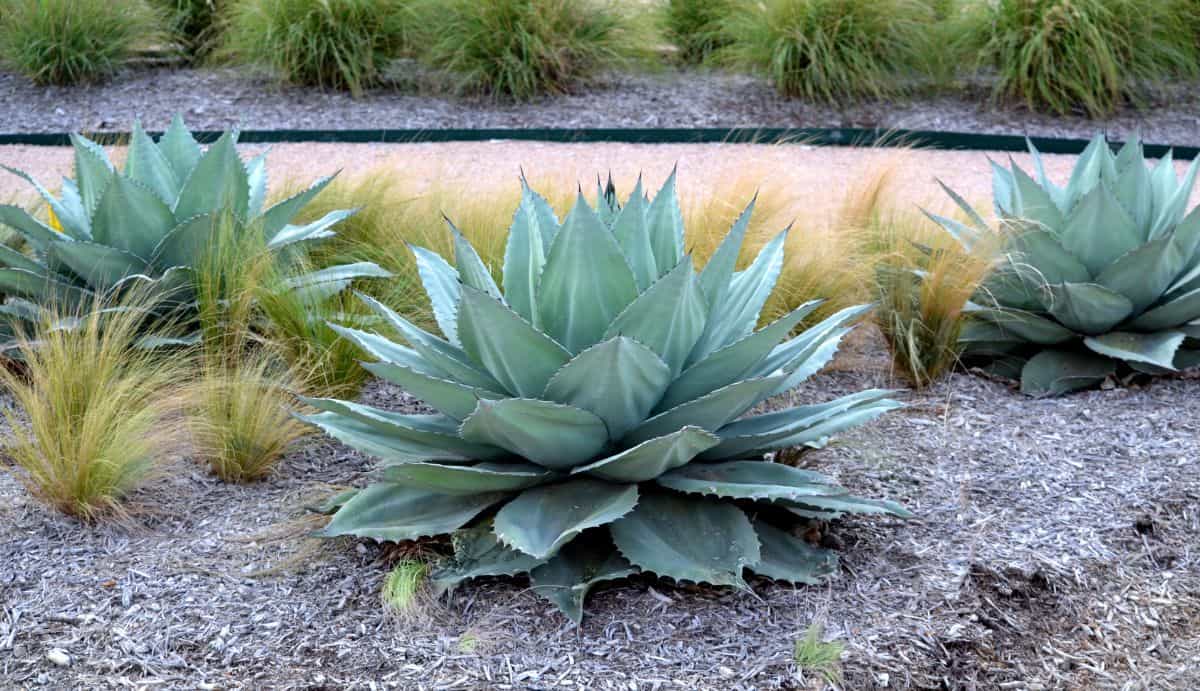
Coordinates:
(832, 50)
(74, 41)
(194, 24)
(521, 49)
(95, 410)
(696, 27)
(338, 44)
(811, 654)
(402, 588)
(1089, 56)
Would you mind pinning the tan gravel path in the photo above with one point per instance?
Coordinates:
(816, 174)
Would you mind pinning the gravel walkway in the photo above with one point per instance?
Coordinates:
(1055, 548)
(222, 98)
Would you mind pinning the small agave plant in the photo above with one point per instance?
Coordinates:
(589, 410)
(1100, 278)
(150, 225)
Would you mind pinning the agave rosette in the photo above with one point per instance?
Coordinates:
(589, 410)
(1099, 278)
(150, 225)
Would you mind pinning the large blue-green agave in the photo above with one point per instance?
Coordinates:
(589, 420)
(150, 225)
(1099, 276)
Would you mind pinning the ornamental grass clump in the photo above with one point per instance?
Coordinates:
(151, 224)
(522, 49)
(75, 41)
(832, 50)
(1083, 56)
(194, 24)
(589, 409)
(95, 412)
(696, 27)
(1100, 278)
(336, 44)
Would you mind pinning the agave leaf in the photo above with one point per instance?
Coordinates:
(652, 458)
(147, 165)
(566, 579)
(218, 182)
(335, 278)
(1054, 372)
(1098, 230)
(664, 223)
(186, 243)
(180, 148)
(619, 380)
(718, 272)
(442, 285)
(42, 288)
(517, 355)
(444, 395)
(1134, 190)
(277, 217)
(829, 508)
(710, 412)
(1026, 325)
(392, 512)
(1175, 205)
(14, 259)
(1085, 176)
(1088, 308)
(543, 519)
(131, 217)
(93, 171)
(760, 433)
(586, 282)
(434, 431)
(369, 439)
(1176, 311)
(1056, 193)
(754, 480)
(477, 553)
(977, 222)
(36, 233)
(440, 354)
(1039, 249)
(524, 257)
(632, 232)
(667, 318)
(471, 269)
(788, 558)
(1146, 273)
(1034, 203)
(256, 178)
(1002, 189)
(688, 539)
(733, 362)
(801, 352)
(543, 214)
(100, 265)
(738, 311)
(74, 222)
(390, 353)
(556, 436)
(318, 229)
(468, 479)
(811, 361)
(1155, 349)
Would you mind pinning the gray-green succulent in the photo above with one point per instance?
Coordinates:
(150, 226)
(589, 409)
(1098, 278)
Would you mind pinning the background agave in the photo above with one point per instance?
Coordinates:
(151, 224)
(1100, 273)
(587, 425)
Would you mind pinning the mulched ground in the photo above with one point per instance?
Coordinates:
(1055, 548)
(223, 98)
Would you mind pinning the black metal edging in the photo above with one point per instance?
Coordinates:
(817, 136)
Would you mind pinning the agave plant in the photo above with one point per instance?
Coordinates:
(150, 224)
(1100, 278)
(589, 410)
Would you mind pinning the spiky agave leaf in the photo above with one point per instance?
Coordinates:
(154, 221)
(1100, 277)
(576, 406)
